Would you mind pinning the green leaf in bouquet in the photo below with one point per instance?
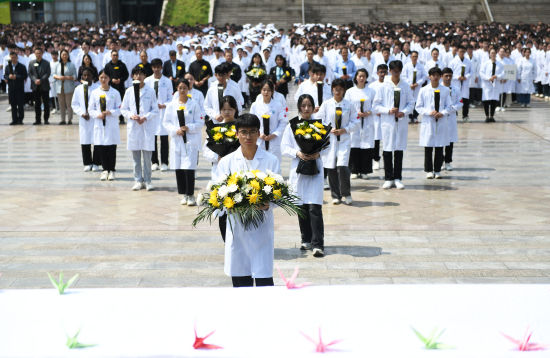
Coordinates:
(60, 285)
(430, 341)
(73, 343)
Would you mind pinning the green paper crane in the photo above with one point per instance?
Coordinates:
(430, 342)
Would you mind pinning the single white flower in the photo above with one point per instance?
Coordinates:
(233, 188)
(261, 175)
(307, 136)
(249, 175)
(238, 198)
(223, 129)
(223, 191)
(278, 178)
(267, 189)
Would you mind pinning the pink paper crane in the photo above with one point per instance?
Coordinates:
(523, 344)
(290, 282)
(320, 346)
(199, 342)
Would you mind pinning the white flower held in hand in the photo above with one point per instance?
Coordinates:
(233, 188)
(261, 175)
(267, 189)
(238, 198)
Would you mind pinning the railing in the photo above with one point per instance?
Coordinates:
(487, 11)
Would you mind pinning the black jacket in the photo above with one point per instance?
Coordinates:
(18, 84)
(283, 87)
(195, 68)
(167, 69)
(40, 71)
(118, 71)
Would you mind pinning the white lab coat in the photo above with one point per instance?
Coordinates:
(377, 128)
(491, 90)
(85, 127)
(337, 153)
(277, 122)
(363, 136)
(249, 252)
(394, 133)
(526, 74)
(456, 65)
(184, 155)
(456, 105)
(211, 103)
(309, 188)
(140, 136)
(110, 133)
(164, 97)
(421, 76)
(433, 133)
(308, 87)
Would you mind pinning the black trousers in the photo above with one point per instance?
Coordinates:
(433, 164)
(222, 223)
(339, 182)
(360, 160)
(248, 281)
(449, 153)
(185, 179)
(311, 226)
(538, 87)
(376, 153)
(17, 102)
(414, 115)
(39, 98)
(393, 165)
(465, 107)
(87, 158)
(108, 157)
(489, 107)
(475, 94)
(163, 151)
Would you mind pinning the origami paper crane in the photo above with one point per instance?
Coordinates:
(290, 282)
(320, 346)
(523, 344)
(199, 342)
(430, 342)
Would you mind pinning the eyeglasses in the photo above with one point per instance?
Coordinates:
(247, 133)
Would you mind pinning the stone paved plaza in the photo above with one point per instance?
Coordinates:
(486, 221)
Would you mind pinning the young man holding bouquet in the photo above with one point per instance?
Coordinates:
(249, 252)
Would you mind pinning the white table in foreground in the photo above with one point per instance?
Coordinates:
(371, 321)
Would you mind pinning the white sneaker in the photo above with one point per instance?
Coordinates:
(54, 111)
(547, 98)
(104, 175)
(497, 109)
(184, 200)
(326, 186)
(318, 252)
(8, 109)
(465, 119)
(111, 176)
(376, 165)
(387, 184)
(305, 246)
(354, 176)
(137, 186)
(163, 167)
(155, 167)
(448, 167)
(430, 175)
(336, 201)
(502, 109)
(399, 185)
(438, 175)
(87, 168)
(95, 168)
(149, 187)
(348, 200)
(191, 201)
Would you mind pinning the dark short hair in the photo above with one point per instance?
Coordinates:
(338, 83)
(172, 53)
(446, 70)
(360, 70)
(396, 65)
(156, 62)
(382, 66)
(318, 68)
(137, 70)
(270, 84)
(247, 120)
(434, 49)
(184, 81)
(222, 69)
(435, 71)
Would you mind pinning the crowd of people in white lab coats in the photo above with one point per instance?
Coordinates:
(494, 66)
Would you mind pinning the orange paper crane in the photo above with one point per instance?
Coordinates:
(524, 345)
(199, 342)
(320, 346)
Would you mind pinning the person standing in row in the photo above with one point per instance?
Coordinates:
(185, 140)
(491, 72)
(104, 111)
(39, 74)
(201, 71)
(163, 93)
(434, 102)
(142, 125)
(309, 188)
(456, 93)
(64, 75)
(15, 74)
(118, 73)
(525, 77)
(173, 69)
(81, 105)
(362, 140)
(341, 115)
(393, 101)
(462, 71)
(381, 73)
(415, 75)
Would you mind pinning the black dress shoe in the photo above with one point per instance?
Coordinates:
(13, 123)
(487, 120)
(36, 123)
(492, 120)
(46, 122)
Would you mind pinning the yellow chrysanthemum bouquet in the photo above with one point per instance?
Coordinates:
(242, 194)
(221, 138)
(312, 137)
